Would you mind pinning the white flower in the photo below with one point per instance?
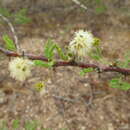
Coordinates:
(82, 43)
(20, 68)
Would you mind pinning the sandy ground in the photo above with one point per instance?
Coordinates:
(70, 101)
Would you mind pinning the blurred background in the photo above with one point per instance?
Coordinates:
(72, 102)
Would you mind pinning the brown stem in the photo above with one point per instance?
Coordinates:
(123, 71)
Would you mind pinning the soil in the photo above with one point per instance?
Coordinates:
(69, 100)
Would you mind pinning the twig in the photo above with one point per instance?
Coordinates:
(64, 98)
(102, 69)
(81, 5)
(13, 31)
(91, 98)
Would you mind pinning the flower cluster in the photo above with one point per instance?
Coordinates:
(82, 43)
(20, 68)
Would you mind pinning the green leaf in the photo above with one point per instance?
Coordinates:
(118, 83)
(100, 9)
(61, 54)
(49, 49)
(9, 43)
(98, 1)
(86, 70)
(5, 12)
(20, 17)
(44, 64)
(16, 124)
(31, 125)
(46, 129)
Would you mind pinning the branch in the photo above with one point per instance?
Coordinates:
(12, 30)
(123, 71)
(81, 5)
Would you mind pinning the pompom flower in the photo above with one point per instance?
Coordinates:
(20, 68)
(82, 43)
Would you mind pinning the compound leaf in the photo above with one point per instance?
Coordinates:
(9, 44)
(118, 83)
(43, 64)
(86, 70)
